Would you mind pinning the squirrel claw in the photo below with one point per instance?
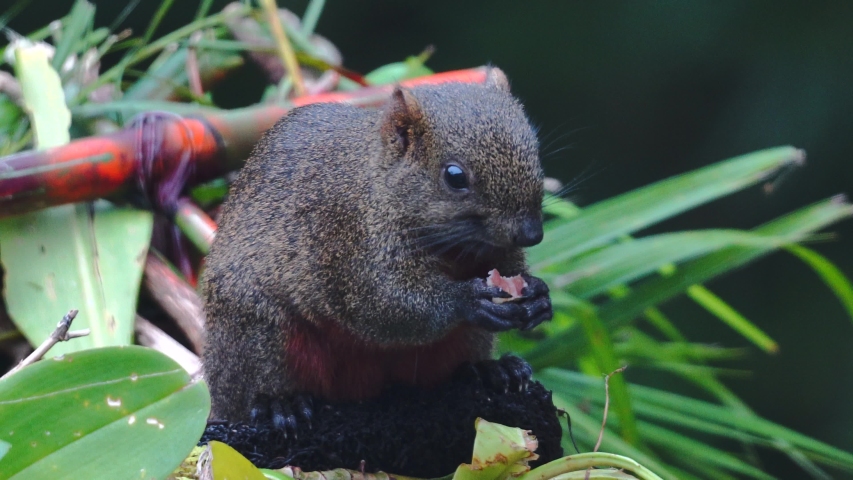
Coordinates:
(536, 287)
(501, 375)
(537, 302)
(282, 413)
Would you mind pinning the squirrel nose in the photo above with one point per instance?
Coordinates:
(530, 233)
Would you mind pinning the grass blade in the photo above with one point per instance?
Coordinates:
(76, 24)
(568, 381)
(559, 348)
(624, 262)
(829, 273)
(732, 318)
(612, 218)
(588, 427)
(601, 345)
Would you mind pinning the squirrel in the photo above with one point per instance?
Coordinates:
(354, 244)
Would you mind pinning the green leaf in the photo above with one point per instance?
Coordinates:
(84, 256)
(75, 25)
(412, 67)
(44, 99)
(624, 262)
(829, 273)
(563, 346)
(590, 390)
(227, 463)
(585, 425)
(632, 211)
(499, 452)
(601, 345)
(103, 413)
(732, 318)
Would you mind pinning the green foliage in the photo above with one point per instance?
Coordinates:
(603, 281)
(91, 414)
(84, 256)
(225, 463)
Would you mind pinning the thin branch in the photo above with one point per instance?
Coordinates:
(604, 416)
(176, 297)
(151, 336)
(606, 404)
(60, 334)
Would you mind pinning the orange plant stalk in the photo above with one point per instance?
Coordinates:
(159, 154)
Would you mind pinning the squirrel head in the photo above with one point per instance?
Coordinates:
(462, 160)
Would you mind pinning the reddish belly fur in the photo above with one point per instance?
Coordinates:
(330, 363)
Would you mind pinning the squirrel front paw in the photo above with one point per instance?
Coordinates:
(533, 308)
(502, 375)
(536, 301)
(285, 414)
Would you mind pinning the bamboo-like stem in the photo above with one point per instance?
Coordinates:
(196, 225)
(109, 165)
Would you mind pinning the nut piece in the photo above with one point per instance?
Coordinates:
(511, 285)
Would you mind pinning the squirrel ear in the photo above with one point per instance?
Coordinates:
(403, 120)
(496, 78)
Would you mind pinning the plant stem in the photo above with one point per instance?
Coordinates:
(285, 50)
(575, 463)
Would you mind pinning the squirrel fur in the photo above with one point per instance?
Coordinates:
(348, 258)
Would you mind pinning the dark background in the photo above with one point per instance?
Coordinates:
(633, 92)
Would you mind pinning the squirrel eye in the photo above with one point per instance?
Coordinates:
(455, 177)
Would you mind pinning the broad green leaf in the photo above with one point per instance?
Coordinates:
(84, 256)
(225, 463)
(43, 96)
(499, 452)
(102, 413)
(632, 211)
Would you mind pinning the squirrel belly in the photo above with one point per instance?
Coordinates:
(330, 363)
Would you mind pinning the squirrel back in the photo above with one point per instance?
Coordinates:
(352, 247)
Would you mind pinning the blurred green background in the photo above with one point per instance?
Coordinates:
(626, 93)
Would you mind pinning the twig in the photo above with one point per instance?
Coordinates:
(150, 335)
(606, 407)
(60, 334)
(606, 404)
(285, 49)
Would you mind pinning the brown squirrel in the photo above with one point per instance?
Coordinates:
(354, 245)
